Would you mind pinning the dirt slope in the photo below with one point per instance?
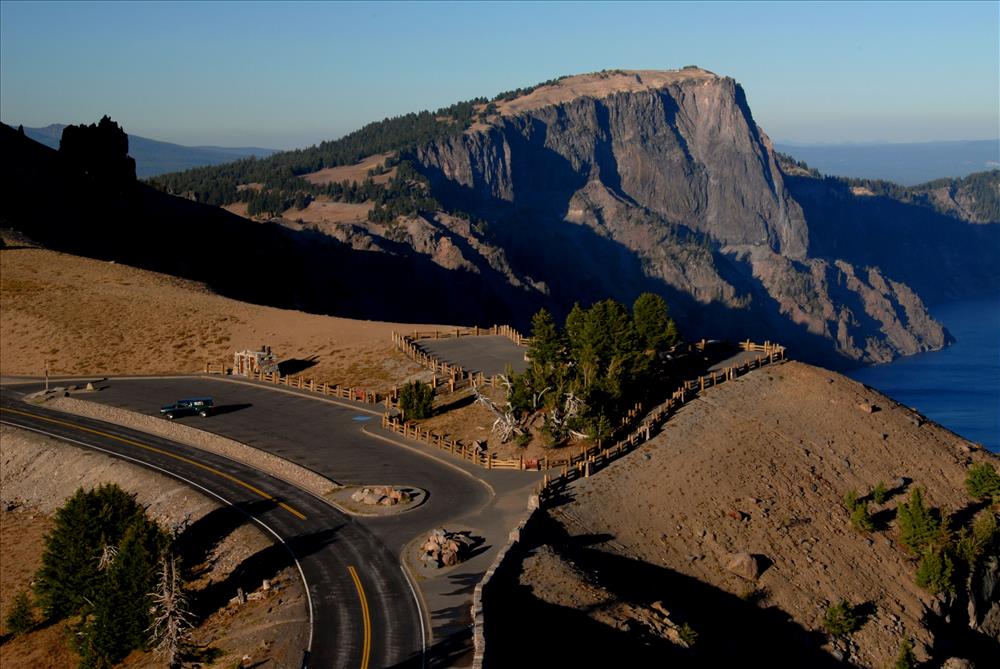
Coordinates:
(85, 316)
(39, 473)
(757, 466)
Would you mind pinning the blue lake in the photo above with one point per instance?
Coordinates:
(958, 387)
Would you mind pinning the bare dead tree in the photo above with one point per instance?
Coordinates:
(506, 424)
(108, 555)
(172, 619)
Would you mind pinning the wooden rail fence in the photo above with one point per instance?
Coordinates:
(323, 388)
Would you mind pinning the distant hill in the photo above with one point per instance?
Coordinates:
(907, 164)
(153, 157)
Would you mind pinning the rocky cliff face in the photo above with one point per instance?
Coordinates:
(611, 184)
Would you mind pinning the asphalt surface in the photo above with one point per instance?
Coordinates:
(363, 611)
(344, 442)
(489, 355)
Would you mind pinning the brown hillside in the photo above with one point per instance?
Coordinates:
(758, 466)
(85, 316)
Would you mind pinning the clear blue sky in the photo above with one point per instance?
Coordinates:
(291, 74)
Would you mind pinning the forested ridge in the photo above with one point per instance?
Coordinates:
(279, 176)
(983, 187)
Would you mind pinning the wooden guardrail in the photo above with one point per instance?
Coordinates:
(456, 377)
(324, 388)
(589, 460)
(454, 446)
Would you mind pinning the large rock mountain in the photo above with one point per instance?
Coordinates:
(594, 186)
(614, 183)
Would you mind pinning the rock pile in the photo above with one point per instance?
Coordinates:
(445, 549)
(382, 496)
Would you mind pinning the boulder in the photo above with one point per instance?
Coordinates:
(744, 565)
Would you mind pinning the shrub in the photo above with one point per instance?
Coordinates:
(861, 519)
(99, 563)
(841, 619)
(21, 617)
(880, 493)
(523, 439)
(850, 499)
(905, 659)
(919, 526)
(984, 537)
(936, 572)
(416, 400)
(983, 482)
(688, 634)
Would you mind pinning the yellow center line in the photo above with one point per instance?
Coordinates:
(367, 646)
(160, 451)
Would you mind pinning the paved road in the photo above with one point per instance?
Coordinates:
(489, 355)
(333, 438)
(363, 611)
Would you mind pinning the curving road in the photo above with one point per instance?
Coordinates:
(363, 610)
(344, 442)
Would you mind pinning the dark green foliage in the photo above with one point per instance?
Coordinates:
(688, 635)
(983, 482)
(280, 173)
(99, 563)
(919, 526)
(861, 519)
(21, 617)
(851, 499)
(84, 525)
(605, 357)
(842, 619)
(936, 572)
(546, 344)
(653, 326)
(120, 616)
(905, 659)
(983, 539)
(786, 161)
(416, 400)
(880, 493)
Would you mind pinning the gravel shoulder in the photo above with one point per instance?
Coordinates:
(267, 462)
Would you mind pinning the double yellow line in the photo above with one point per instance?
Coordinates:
(366, 617)
(160, 451)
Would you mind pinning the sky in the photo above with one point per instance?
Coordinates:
(284, 75)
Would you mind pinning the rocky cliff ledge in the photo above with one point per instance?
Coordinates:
(616, 182)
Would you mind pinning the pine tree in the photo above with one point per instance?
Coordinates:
(87, 523)
(21, 617)
(546, 343)
(983, 482)
(653, 326)
(919, 526)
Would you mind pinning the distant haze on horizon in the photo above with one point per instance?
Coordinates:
(293, 74)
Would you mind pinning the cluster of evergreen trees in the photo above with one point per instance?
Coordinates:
(280, 173)
(605, 358)
(101, 565)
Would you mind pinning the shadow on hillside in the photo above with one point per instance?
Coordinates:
(197, 541)
(731, 631)
(296, 365)
(264, 564)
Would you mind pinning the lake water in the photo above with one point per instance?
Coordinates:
(958, 387)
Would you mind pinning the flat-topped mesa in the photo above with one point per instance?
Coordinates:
(681, 144)
(600, 85)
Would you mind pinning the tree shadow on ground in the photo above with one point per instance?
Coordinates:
(197, 541)
(264, 564)
(731, 631)
(296, 365)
